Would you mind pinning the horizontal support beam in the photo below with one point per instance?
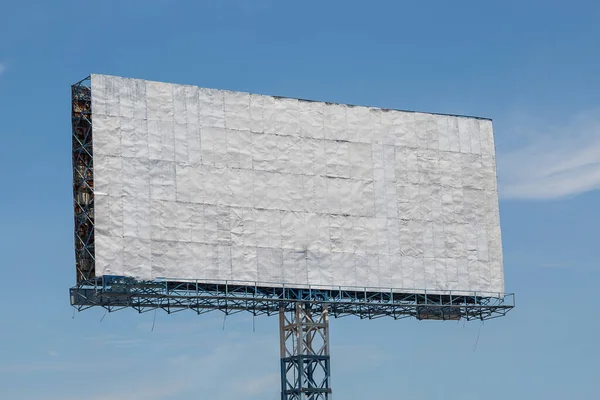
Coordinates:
(115, 294)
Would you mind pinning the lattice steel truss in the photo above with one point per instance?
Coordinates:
(304, 337)
(115, 293)
(83, 178)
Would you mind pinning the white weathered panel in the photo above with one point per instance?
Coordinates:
(162, 180)
(161, 145)
(180, 143)
(138, 254)
(134, 137)
(286, 117)
(216, 185)
(128, 98)
(453, 134)
(109, 142)
(421, 122)
(473, 126)
(211, 109)
(179, 104)
(159, 101)
(410, 128)
(486, 138)
(99, 95)
(237, 110)
(111, 182)
(224, 262)
(388, 134)
(443, 132)
(256, 113)
(464, 134)
(335, 126)
(360, 124)
(310, 119)
(440, 274)
(432, 133)
(110, 260)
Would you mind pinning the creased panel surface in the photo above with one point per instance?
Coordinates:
(207, 184)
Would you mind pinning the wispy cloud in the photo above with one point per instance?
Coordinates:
(255, 386)
(32, 367)
(220, 373)
(116, 341)
(559, 162)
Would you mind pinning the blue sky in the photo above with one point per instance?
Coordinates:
(530, 66)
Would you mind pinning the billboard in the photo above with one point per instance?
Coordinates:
(215, 185)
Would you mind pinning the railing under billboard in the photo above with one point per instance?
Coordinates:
(114, 293)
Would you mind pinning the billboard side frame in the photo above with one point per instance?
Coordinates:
(83, 179)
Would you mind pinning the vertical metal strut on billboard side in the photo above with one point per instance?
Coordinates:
(212, 200)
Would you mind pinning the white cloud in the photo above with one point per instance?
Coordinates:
(561, 162)
(256, 386)
(116, 341)
(227, 371)
(32, 367)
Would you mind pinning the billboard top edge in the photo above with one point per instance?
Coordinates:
(306, 100)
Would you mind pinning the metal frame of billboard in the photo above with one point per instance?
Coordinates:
(115, 293)
(304, 331)
(83, 178)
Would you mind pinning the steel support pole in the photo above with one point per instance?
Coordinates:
(304, 345)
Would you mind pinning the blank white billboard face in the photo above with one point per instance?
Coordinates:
(194, 183)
